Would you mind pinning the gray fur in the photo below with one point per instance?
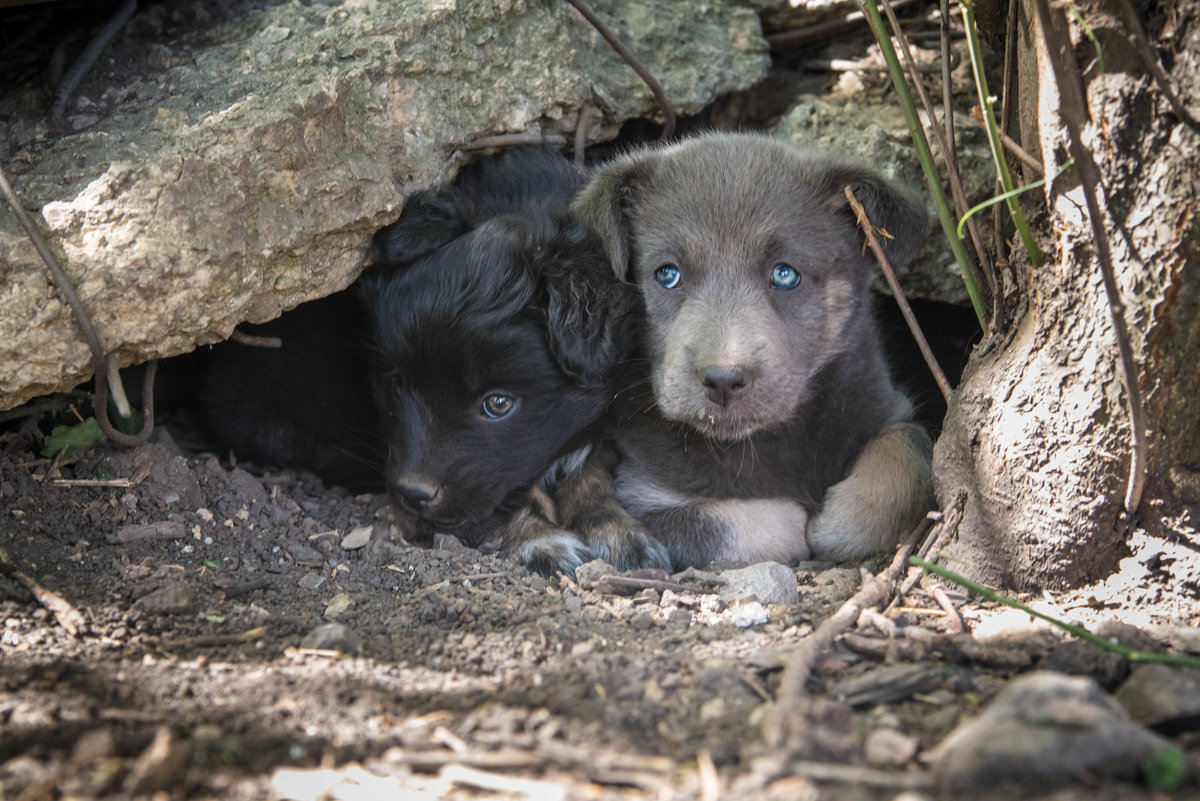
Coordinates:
(751, 392)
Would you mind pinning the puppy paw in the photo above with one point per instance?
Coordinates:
(553, 552)
(884, 496)
(630, 549)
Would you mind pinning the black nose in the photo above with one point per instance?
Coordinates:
(724, 383)
(415, 498)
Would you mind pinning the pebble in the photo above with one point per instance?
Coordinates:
(1159, 693)
(332, 637)
(587, 574)
(769, 582)
(1042, 731)
(338, 606)
(888, 748)
(751, 613)
(357, 538)
(170, 599)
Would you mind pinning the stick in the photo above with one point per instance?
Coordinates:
(67, 615)
(875, 590)
(884, 265)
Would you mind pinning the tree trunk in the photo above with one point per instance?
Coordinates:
(1038, 434)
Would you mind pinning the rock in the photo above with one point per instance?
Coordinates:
(357, 538)
(170, 599)
(159, 765)
(248, 175)
(1156, 694)
(745, 615)
(1081, 658)
(338, 606)
(888, 748)
(769, 582)
(1042, 731)
(590, 573)
(331, 637)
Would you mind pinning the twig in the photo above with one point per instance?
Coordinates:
(917, 132)
(946, 528)
(1011, 144)
(945, 143)
(913, 326)
(515, 139)
(858, 775)
(655, 87)
(581, 130)
(255, 341)
(246, 587)
(215, 640)
(116, 483)
(1074, 112)
(939, 595)
(86, 59)
(621, 585)
(532, 788)
(67, 615)
(100, 361)
(784, 716)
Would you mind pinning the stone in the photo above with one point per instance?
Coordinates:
(888, 748)
(1159, 693)
(1042, 731)
(768, 582)
(745, 615)
(332, 637)
(357, 538)
(338, 606)
(170, 599)
(247, 175)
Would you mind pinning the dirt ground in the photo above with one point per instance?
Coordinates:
(176, 627)
(251, 636)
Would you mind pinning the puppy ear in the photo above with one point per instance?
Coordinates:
(888, 206)
(430, 219)
(604, 203)
(592, 318)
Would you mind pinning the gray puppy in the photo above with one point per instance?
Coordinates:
(763, 424)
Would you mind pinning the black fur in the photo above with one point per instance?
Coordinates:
(488, 287)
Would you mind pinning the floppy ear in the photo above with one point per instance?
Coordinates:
(603, 204)
(592, 318)
(888, 206)
(430, 219)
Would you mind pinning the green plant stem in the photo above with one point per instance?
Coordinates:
(1078, 631)
(1000, 198)
(871, 9)
(985, 102)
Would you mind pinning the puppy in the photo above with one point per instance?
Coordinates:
(489, 336)
(764, 424)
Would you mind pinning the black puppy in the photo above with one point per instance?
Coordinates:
(491, 339)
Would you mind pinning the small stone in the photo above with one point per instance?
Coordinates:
(331, 637)
(171, 599)
(589, 573)
(304, 554)
(1158, 693)
(769, 582)
(338, 606)
(1042, 731)
(642, 621)
(751, 613)
(573, 604)
(357, 538)
(159, 765)
(888, 748)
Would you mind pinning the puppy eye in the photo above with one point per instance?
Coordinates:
(784, 276)
(668, 275)
(498, 406)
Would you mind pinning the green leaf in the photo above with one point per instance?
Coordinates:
(1166, 769)
(213, 563)
(76, 439)
(215, 618)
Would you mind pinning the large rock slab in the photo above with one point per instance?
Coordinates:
(230, 176)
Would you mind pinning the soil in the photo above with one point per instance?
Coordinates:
(243, 635)
(177, 626)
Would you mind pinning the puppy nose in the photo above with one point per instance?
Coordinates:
(415, 498)
(724, 383)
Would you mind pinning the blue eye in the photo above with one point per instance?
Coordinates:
(497, 406)
(784, 276)
(668, 275)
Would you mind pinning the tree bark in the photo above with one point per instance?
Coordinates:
(1038, 432)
